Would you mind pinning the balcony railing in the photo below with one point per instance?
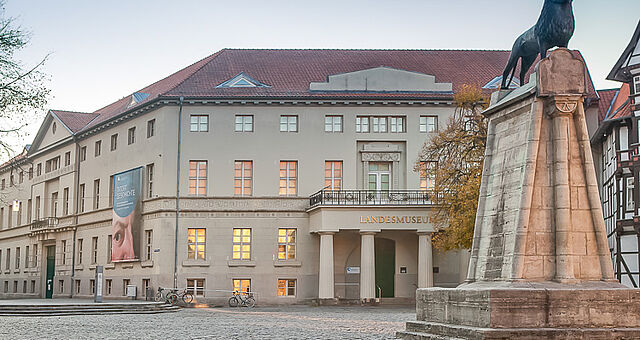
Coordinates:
(44, 223)
(372, 197)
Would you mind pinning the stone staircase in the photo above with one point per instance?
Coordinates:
(59, 309)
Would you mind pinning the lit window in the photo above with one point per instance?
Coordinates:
(242, 285)
(196, 241)
(199, 123)
(333, 123)
(333, 175)
(241, 243)
(244, 123)
(286, 244)
(131, 135)
(286, 287)
(362, 124)
(243, 178)
(151, 128)
(288, 178)
(198, 178)
(195, 287)
(397, 124)
(379, 124)
(427, 176)
(428, 123)
(288, 123)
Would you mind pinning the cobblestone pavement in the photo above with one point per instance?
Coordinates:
(295, 322)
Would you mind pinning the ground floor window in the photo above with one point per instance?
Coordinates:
(286, 287)
(33, 286)
(125, 283)
(146, 283)
(77, 286)
(24, 286)
(60, 286)
(196, 287)
(242, 285)
(108, 286)
(15, 286)
(92, 286)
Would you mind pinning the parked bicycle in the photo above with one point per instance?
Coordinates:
(243, 299)
(171, 295)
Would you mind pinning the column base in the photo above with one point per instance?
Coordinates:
(325, 302)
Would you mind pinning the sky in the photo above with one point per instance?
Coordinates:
(101, 51)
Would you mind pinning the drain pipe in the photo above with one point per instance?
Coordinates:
(175, 246)
(76, 210)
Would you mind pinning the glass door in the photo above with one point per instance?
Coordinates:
(379, 178)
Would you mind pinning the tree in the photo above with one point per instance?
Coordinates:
(458, 153)
(23, 94)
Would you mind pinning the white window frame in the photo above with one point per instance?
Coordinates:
(244, 123)
(379, 124)
(239, 240)
(636, 85)
(286, 287)
(195, 287)
(199, 123)
(288, 123)
(285, 241)
(397, 124)
(362, 124)
(242, 178)
(288, 180)
(333, 123)
(198, 178)
(330, 182)
(630, 190)
(428, 124)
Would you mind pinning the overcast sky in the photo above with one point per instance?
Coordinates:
(104, 50)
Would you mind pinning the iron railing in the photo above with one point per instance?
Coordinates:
(372, 197)
(44, 223)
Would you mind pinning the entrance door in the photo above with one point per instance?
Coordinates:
(51, 266)
(379, 178)
(385, 266)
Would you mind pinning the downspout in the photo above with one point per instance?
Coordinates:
(75, 213)
(175, 245)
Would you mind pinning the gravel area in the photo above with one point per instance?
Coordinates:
(291, 322)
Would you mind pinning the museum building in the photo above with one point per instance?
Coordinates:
(289, 173)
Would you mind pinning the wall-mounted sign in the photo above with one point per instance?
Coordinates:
(395, 219)
(353, 270)
(16, 206)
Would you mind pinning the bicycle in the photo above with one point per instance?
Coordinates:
(173, 295)
(244, 299)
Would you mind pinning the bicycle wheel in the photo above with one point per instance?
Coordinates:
(250, 302)
(187, 297)
(172, 298)
(233, 302)
(158, 297)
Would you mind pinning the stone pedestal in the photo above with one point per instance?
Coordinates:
(540, 266)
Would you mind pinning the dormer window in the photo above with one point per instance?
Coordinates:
(137, 98)
(53, 128)
(242, 80)
(495, 83)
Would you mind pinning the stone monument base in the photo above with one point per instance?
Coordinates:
(546, 310)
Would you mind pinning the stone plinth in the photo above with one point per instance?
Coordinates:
(540, 265)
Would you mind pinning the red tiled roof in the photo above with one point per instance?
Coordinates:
(75, 121)
(289, 72)
(606, 97)
(620, 107)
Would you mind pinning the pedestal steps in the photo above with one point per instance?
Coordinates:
(84, 309)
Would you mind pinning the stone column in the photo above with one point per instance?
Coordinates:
(325, 276)
(367, 266)
(425, 261)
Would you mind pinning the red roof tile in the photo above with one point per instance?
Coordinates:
(621, 107)
(606, 97)
(75, 121)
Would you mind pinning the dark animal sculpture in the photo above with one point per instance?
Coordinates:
(554, 28)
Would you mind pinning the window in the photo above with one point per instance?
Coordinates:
(11, 181)
(82, 192)
(60, 286)
(145, 285)
(199, 123)
(37, 207)
(6, 286)
(397, 124)
(50, 165)
(97, 148)
(67, 159)
(150, 180)
(379, 124)
(19, 218)
(79, 251)
(198, 178)
(110, 191)
(286, 244)
(333, 175)
(108, 285)
(17, 257)
(21, 178)
(92, 286)
(636, 84)
(94, 250)
(65, 201)
(1, 217)
(15, 286)
(63, 254)
(96, 194)
(148, 243)
(78, 286)
(114, 142)
(428, 123)
(196, 242)
(195, 287)
(30, 173)
(83, 154)
(362, 124)
(125, 283)
(243, 178)
(131, 135)
(333, 124)
(242, 243)
(427, 177)
(151, 128)
(54, 204)
(288, 123)
(630, 201)
(26, 259)
(9, 215)
(24, 286)
(3, 184)
(286, 287)
(28, 211)
(242, 285)
(35, 255)
(8, 261)
(244, 123)
(33, 286)
(39, 168)
(109, 247)
(288, 178)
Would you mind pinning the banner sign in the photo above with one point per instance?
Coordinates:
(127, 221)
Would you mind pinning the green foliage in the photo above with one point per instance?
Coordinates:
(458, 151)
(23, 94)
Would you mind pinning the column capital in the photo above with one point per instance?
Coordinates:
(368, 232)
(424, 233)
(326, 233)
(564, 105)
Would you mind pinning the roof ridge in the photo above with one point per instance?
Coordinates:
(366, 49)
(210, 57)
